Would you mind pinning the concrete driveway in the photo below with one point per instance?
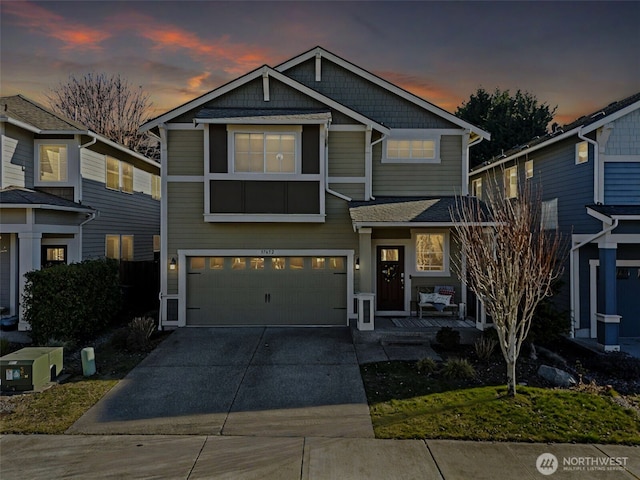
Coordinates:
(240, 381)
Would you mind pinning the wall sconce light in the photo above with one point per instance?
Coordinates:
(173, 264)
(357, 263)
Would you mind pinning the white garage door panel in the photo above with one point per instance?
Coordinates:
(265, 295)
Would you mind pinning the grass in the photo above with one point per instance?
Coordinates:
(405, 405)
(54, 410)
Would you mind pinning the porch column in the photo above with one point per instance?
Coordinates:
(366, 269)
(608, 321)
(29, 247)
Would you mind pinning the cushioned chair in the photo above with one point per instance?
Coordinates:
(437, 299)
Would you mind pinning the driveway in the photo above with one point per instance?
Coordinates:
(240, 381)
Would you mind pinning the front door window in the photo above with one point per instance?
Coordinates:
(390, 278)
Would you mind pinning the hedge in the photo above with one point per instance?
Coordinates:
(72, 303)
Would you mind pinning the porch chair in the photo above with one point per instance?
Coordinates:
(437, 299)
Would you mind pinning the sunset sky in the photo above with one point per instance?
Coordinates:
(577, 55)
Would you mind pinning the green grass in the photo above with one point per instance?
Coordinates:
(406, 405)
(56, 409)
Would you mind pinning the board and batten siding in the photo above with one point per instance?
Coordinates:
(188, 230)
(346, 154)
(186, 152)
(444, 178)
(17, 158)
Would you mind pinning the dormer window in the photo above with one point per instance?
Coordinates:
(53, 163)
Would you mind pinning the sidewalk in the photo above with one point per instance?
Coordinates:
(176, 457)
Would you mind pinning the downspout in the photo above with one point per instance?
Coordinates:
(572, 262)
(369, 160)
(596, 166)
(326, 165)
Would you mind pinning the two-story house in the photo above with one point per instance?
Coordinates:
(68, 194)
(293, 190)
(588, 173)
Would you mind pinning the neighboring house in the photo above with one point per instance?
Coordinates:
(589, 174)
(66, 195)
(292, 191)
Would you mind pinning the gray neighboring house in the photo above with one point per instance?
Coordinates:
(589, 175)
(68, 194)
(310, 193)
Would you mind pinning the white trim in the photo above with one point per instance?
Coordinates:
(358, 225)
(185, 179)
(252, 76)
(465, 165)
(302, 119)
(382, 83)
(164, 240)
(232, 130)
(183, 126)
(45, 206)
(446, 271)
(578, 160)
(264, 218)
(265, 85)
(267, 252)
(399, 134)
(39, 228)
(620, 158)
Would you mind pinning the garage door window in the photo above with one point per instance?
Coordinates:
(216, 263)
(278, 263)
(317, 263)
(336, 263)
(197, 263)
(238, 263)
(257, 263)
(296, 263)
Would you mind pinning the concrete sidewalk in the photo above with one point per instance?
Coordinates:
(175, 457)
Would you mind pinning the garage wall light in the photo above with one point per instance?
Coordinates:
(173, 264)
(357, 263)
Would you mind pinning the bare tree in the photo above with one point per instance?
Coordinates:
(510, 266)
(108, 105)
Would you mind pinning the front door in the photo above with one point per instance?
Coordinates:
(390, 278)
(628, 294)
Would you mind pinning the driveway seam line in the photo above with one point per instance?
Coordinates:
(206, 439)
(235, 395)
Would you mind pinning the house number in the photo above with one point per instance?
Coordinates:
(267, 251)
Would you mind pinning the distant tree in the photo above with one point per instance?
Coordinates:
(511, 120)
(511, 266)
(108, 105)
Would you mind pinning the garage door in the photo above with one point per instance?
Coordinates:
(266, 291)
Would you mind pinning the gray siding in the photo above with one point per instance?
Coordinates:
(17, 158)
(18, 216)
(625, 136)
(365, 97)
(186, 152)
(444, 178)
(5, 270)
(354, 191)
(52, 217)
(346, 154)
(120, 213)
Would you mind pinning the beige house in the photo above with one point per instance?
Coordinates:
(294, 191)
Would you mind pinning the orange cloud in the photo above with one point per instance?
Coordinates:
(196, 82)
(435, 94)
(40, 20)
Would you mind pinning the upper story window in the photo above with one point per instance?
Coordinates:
(582, 152)
(265, 150)
(155, 187)
(528, 169)
(53, 163)
(476, 188)
(119, 175)
(511, 182)
(119, 247)
(412, 146)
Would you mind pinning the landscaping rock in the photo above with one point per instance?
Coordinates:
(556, 376)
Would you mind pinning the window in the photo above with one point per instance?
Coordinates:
(336, 263)
(431, 252)
(476, 188)
(238, 263)
(582, 152)
(296, 263)
(53, 163)
(119, 247)
(216, 263)
(528, 169)
(278, 263)
(155, 187)
(549, 215)
(119, 175)
(412, 146)
(511, 182)
(196, 263)
(156, 243)
(257, 263)
(317, 263)
(53, 255)
(264, 152)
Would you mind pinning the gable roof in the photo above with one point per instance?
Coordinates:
(20, 197)
(259, 72)
(319, 51)
(582, 125)
(29, 112)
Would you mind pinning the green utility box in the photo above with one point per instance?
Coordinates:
(30, 368)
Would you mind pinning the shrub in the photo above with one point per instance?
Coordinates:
(485, 346)
(427, 366)
(72, 302)
(549, 323)
(458, 368)
(140, 331)
(448, 338)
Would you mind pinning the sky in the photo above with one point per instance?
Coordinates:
(578, 56)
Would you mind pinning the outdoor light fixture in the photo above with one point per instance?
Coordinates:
(173, 264)
(357, 263)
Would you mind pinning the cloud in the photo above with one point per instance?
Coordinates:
(423, 88)
(44, 22)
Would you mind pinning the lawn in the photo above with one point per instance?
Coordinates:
(406, 404)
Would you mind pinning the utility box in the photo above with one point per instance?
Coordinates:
(30, 368)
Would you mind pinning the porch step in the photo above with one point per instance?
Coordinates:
(407, 338)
